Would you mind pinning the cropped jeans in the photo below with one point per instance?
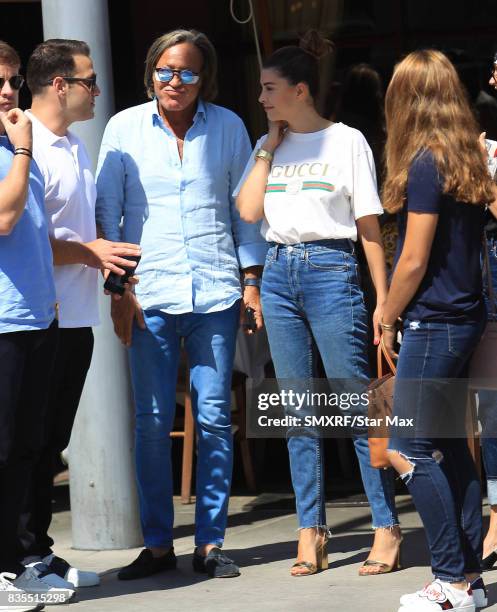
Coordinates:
(154, 355)
(312, 301)
(443, 480)
(488, 399)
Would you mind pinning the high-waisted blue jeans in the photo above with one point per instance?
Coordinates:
(311, 302)
(154, 354)
(443, 481)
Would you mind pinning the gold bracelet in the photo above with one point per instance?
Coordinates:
(387, 327)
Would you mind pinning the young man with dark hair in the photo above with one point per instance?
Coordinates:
(62, 80)
(52, 58)
(28, 332)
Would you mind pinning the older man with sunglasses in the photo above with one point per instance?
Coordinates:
(167, 169)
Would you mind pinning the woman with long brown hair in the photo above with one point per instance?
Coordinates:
(438, 183)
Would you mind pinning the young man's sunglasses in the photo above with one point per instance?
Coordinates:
(15, 81)
(188, 77)
(90, 82)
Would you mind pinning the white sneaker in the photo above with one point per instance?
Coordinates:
(46, 575)
(10, 596)
(438, 596)
(30, 582)
(479, 593)
(73, 575)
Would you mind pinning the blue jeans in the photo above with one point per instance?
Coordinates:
(311, 302)
(488, 399)
(443, 482)
(489, 448)
(154, 355)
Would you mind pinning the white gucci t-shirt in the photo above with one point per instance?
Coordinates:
(319, 184)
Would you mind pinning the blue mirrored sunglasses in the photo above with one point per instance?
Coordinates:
(188, 77)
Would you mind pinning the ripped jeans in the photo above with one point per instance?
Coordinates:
(443, 482)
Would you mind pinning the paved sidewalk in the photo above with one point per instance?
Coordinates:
(261, 538)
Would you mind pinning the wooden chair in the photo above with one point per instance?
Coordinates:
(187, 432)
(185, 429)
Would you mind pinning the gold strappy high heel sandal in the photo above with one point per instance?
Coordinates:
(380, 567)
(321, 558)
(383, 568)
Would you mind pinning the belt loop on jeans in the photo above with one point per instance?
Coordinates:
(277, 248)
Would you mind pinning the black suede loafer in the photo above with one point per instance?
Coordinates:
(147, 565)
(216, 564)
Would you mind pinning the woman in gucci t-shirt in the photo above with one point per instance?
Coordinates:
(312, 182)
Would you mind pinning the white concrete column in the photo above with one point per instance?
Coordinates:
(101, 454)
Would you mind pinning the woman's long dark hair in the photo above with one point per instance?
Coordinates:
(301, 64)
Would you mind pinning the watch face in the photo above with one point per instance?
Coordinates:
(264, 155)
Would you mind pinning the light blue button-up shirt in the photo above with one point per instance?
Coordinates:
(181, 212)
(27, 290)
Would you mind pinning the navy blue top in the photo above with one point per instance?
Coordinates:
(451, 289)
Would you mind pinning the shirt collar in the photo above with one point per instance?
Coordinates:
(48, 136)
(201, 112)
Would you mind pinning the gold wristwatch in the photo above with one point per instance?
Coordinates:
(265, 155)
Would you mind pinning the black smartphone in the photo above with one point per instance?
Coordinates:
(251, 324)
(115, 283)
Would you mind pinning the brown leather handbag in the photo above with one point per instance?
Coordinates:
(380, 393)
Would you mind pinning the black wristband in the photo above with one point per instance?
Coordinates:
(27, 153)
(23, 151)
(252, 282)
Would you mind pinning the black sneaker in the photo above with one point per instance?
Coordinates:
(216, 564)
(147, 565)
